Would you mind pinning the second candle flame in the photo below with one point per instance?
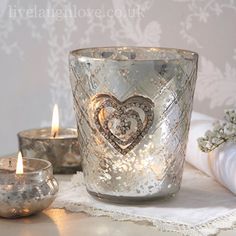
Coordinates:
(55, 121)
(19, 164)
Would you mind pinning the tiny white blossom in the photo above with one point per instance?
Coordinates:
(221, 133)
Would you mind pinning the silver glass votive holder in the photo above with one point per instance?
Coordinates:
(27, 193)
(63, 151)
(133, 108)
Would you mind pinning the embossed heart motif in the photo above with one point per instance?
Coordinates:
(123, 124)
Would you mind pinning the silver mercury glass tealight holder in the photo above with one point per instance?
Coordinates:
(27, 186)
(133, 108)
(60, 146)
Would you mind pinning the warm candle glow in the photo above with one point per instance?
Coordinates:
(55, 121)
(19, 164)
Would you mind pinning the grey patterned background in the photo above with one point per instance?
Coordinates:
(36, 36)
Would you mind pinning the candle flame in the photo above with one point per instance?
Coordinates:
(19, 164)
(55, 121)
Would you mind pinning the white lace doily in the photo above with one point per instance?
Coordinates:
(202, 207)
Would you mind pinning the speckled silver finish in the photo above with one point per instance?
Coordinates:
(28, 193)
(133, 108)
(63, 151)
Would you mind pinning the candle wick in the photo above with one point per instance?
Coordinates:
(10, 163)
(55, 134)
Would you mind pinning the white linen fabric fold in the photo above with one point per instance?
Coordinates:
(220, 163)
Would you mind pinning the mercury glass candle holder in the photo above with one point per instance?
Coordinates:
(27, 193)
(133, 108)
(63, 151)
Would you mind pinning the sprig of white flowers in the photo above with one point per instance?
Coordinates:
(222, 132)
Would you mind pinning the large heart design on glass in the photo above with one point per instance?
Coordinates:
(123, 124)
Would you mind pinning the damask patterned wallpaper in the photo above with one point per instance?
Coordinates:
(36, 36)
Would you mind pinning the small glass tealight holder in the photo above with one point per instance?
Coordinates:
(62, 150)
(28, 191)
(58, 145)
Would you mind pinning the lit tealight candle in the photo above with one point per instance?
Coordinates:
(58, 145)
(27, 186)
